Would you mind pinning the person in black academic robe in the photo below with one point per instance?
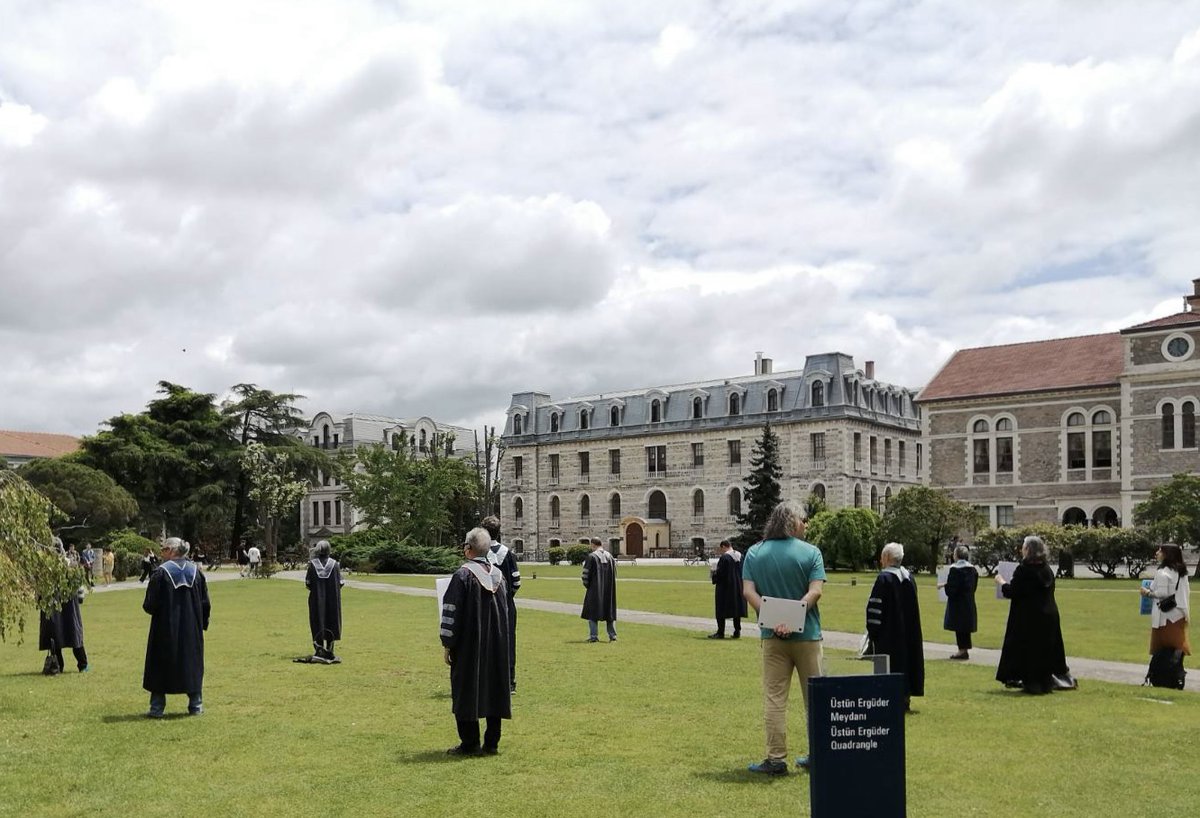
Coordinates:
(63, 628)
(961, 617)
(730, 604)
(894, 620)
(1033, 649)
(474, 634)
(600, 599)
(177, 601)
(501, 556)
(324, 583)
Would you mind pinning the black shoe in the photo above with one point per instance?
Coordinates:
(489, 751)
(769, 766)
(716, 636)
(736, 635)
(461, 750)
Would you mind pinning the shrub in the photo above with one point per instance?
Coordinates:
(375, 550)
(849, 537)
(576, 554)
(556, 554)
(1138, 546)
(126, 564)
(1102, 551)
(993, 546)
(130, 542)
(266, 568)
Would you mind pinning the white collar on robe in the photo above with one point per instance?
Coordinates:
(181, 572)
(323, 571)
(498, 554)
(602, 555)
(488, 576)
(898, 570)
(961, 564)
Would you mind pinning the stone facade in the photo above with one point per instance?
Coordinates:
(662, 470)
(1081, 452)
(325, 511)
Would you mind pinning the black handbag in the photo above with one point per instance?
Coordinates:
(51, 667)
(1167, 603)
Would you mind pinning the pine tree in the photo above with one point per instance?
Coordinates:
(763, 492)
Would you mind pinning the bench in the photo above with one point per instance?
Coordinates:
(626, 558)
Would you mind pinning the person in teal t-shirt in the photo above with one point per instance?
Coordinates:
(787, 567)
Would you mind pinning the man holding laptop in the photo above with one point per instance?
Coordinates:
(789, 572)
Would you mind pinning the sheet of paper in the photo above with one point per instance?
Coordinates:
(1005, 569)
(776, 611)
(943, 572)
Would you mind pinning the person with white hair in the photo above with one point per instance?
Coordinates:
(324, 583)
(177, 601)
(1033, 656)
(894, 621)
(474, 634)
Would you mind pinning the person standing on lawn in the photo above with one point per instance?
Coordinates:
(961, 617)
(730, 604)
(253, 559)
(108, 561)
(87, 558)
(503, 558)
(177, 601)
(787, 567)
(474, 634)
(600, 598)
(1033, 654)
(149, 561)
(324, 583)
(894, 621)
(1169, 628)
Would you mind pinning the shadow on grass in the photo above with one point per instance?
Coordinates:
(28, 673)
(744, 776)
(431, 756)
(141, 717)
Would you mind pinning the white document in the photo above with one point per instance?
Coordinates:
(776, 611)
(1005, 569)
(442, 583)
(943, 573)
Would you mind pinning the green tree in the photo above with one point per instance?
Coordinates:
(848, 537)
(1102, 552)
(274, 487)
(763, 492)
(32, 572)
(1137, 546)
(923, 519)
(993, 546)
(1172, 512)
(814, 505)
(91, 501)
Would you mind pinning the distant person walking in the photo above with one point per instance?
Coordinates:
(894, 621)
(1033, 652)
(253, 561)
(109, 561)
(243, 559)
(961, 615)
(177, 601)
(729, 601)
(600, 600)
(1169, 622)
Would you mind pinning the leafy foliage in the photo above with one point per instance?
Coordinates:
(922, 519)
(993, 546)
(92, 502)
(375, 550)
(273, 485)
(814, 505)
(32, 571)
(848, 537)
(577, 553)
(1172, 512)
(130, 542)
(555, 555)
(763, 492)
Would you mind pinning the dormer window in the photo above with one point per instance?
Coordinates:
(735, 404)
(614, 416)
(655, 411)
(517, 425)
(772, 400)
(583, 418)
(554, 421)
(818, 393)
(697, 408)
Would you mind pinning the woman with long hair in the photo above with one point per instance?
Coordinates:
(1168, 628)
(1033, 652)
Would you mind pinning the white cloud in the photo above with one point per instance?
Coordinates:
(673, 41)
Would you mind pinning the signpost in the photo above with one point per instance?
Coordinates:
(856, 746)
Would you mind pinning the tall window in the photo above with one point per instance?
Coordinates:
(1168, 426)
(1005, 516)
(1188, 416)
(818, 393)
(1004, 445)
(337, 512)
(518, 467)
(614, 506)
(656, 459)
(555, 511)
(857, 496)
(698, 503)
(817, 439)
(316, 515)
(735, 501)
(981, 449)
(585, 465)
(585, 507)
(655, 411)
(919, 452)
(900, 456)
(517, 425)
(518, 509)
(874, 499)
(874, 449)
(697, 408)
(614, 416)
(554, 469)
(583, 418)
(554, 421)
(818, 491)
(772, 400)
(1076, 442)
(735, 404)
(327, 511)
(858, 450)
(887, 456)
(657, 505)
(1101, 440)
(697, 455)
(614, 461)
(735, 452)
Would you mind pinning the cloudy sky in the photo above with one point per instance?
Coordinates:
(422, 207)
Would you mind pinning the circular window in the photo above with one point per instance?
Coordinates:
(1178, 347)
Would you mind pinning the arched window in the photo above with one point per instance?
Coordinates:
(614, 416)
(772, 400)
(819, 491)
(735, 501)
(697, 408)
(1074, 516)
(519, 546)
(1003, 425)
(325, 437)
(655, 411)
(1188, 430)
(657, 505)
(554, 509)
(1075, 419)
(583, 418)
(874, 499)
(735, 404)
(585, 507)
(698, 503)
(518, 509)
(858, 496)
(887, 497)
(614, 506)
(980, 427)
(517, 425)
(554, 421)
(1105, 517)
(424, 441)
(1168, 426)
(1101, 418)
(818, 393)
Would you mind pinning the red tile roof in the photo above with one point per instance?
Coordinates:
(36, 444)
(1177, 319)
(1036, 366)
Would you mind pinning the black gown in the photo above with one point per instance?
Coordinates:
(894, 627)
(503, 558)
(64, 626)
(1033, 645)
(961, 615)
(730, 603)
(324, 583)
(474, 628)
(177, 601)
(600, 580)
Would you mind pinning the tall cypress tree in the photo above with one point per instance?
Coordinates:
(762, 489)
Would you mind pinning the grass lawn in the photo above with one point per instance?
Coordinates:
(661, 723)
(1099, 617)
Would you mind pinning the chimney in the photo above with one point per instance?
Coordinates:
(758, 362)
(767, 366)
(1192, 302)
(870, 370)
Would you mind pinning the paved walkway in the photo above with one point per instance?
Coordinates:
(1119, 672)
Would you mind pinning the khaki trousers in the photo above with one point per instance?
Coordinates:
(780, 658)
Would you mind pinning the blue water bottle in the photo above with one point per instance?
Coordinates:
(1147, 601)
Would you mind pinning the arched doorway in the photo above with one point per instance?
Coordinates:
(1106, 517)
(1074, 516)
(634, 537)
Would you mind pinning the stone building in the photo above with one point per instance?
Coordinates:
(1069, 430)
(326, 510)
(661, 471)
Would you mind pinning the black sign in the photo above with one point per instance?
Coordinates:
(856, 745)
